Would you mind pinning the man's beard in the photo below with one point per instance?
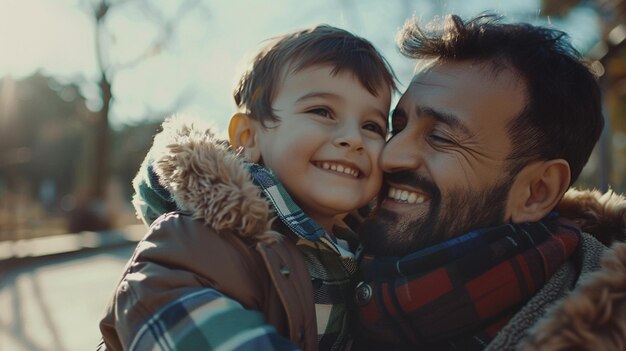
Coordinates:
(385, 233)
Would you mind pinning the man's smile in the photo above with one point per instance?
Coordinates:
(401, 194)
(409, 197)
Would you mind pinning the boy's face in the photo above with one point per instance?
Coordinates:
(325, 147)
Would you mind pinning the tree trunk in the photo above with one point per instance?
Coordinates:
(101, 167)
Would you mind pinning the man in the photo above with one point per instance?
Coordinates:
(497, 123)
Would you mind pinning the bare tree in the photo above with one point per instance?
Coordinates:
(166, 24)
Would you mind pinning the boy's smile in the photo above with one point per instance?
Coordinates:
(325, 147)
(341, 168)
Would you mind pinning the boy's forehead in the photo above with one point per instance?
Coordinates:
(323, 81)
(318, 75)
(326, 69)
(295, 67)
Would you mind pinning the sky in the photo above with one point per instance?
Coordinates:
(196, 71)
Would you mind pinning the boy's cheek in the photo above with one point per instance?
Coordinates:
(377, 146)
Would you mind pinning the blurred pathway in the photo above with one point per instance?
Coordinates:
(55, 302)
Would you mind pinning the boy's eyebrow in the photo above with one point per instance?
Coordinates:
(319, 94)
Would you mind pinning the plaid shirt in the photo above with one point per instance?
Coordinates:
(206, 319)
(331, 261)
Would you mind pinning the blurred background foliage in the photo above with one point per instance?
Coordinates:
(607, 167)
(65, 168)
(47, 161)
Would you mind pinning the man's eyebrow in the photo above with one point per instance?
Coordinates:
(446, 118)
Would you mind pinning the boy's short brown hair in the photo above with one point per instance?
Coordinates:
(292, 52)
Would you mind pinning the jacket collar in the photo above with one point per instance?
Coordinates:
(289, 212)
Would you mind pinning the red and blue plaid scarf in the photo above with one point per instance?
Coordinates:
(460, 293)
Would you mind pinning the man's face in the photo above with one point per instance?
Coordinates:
(445, 164)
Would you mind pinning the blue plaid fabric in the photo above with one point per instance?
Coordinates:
(289, 212)
(207, 320)
(286, 209)
(330, 261)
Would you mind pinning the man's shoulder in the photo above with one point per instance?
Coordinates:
(597, 304)
(589, 254)
(562, 290)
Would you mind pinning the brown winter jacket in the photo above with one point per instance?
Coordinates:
(223, 241)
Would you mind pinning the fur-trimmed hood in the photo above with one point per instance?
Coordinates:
(206, 179)
(601, 215)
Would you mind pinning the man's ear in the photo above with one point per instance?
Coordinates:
(242, 134)
(537, 189)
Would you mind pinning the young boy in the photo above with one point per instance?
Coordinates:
(218, 272)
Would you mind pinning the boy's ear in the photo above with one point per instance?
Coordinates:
(242, 134)
(536, 190)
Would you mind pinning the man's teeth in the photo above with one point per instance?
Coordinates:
(339, 168)
(406, 196)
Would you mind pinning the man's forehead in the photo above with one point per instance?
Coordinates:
(487, 72)
(471, 92)
(463, 78)
(424, 84)
(433, 78)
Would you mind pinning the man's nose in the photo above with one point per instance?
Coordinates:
(349, 135)
(401, 153)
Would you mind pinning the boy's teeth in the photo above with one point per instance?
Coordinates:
(406, 196)
(339, 168)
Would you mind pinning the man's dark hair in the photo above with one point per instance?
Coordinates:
(295, 51)
(563, 114)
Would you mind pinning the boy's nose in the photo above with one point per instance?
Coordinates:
(349, 137)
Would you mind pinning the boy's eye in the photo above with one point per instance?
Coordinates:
(321, 112)
(376, 128)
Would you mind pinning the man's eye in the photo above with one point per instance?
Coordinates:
(376, 128)
(439, 139)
